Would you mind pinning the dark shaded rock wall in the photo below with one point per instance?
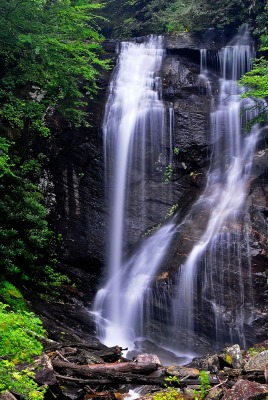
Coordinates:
(76, 170)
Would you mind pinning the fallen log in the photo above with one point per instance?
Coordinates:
(121, 373)
(97, 370)
(116, 379)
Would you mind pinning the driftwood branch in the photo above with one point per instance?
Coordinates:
(219, 384)
(61, 356)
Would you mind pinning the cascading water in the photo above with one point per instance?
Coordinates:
(221, 210)
(134, 137)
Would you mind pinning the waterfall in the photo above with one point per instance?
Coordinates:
(204, 82)
(206, 281)
(134, 138)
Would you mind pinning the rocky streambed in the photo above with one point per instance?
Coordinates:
(86, 369)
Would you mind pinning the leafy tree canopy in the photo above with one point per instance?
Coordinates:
(139, 17)
(27, 244)
(48, 49)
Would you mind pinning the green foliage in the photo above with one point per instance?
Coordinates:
(176, 151)
(172, 210)
(181, 15)
(20, 334)
(53, 279)
(256, 83)
(140, 17)
(171, 381)
(168, 173)
(253, 351)
(12, 296)
(49, 57)
(20, 382)
(170, 393)
(24, 232)
(5, 161)
(26, 242)
(205, 385)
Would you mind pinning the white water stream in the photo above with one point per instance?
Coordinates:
(134, 118)
(222, 204)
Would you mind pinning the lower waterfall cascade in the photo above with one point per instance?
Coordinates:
(224, 239)
(137, 131)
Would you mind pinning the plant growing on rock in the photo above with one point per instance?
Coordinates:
(168, 173)
(170, 393)
(20, 335)
(204, 386)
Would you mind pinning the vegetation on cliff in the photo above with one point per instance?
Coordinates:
(256, 82)
(141, 17)
(50, 53)
(20, 335)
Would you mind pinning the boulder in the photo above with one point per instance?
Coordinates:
(233, 356)
(258, 362)
(45, 374)
(245, 390)
(147, 358)
(181, 372)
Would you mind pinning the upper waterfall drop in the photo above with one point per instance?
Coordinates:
(134, 131)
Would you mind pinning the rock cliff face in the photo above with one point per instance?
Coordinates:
(76, 163)
(77, 171)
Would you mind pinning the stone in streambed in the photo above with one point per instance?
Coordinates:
(232, 356)
(245, 390)
(147, 358)
(257, 362)
(182, 371)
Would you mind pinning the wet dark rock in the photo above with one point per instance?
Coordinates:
(258, 362)
(211, 39)
(181, 372)
(166, 357)
(243, 390)
(147, 358)
(45, 374)
(233, 356)
(207, 363)
(72, 391)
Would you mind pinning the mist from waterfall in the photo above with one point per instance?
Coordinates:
(134, 135)
(221, 210)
